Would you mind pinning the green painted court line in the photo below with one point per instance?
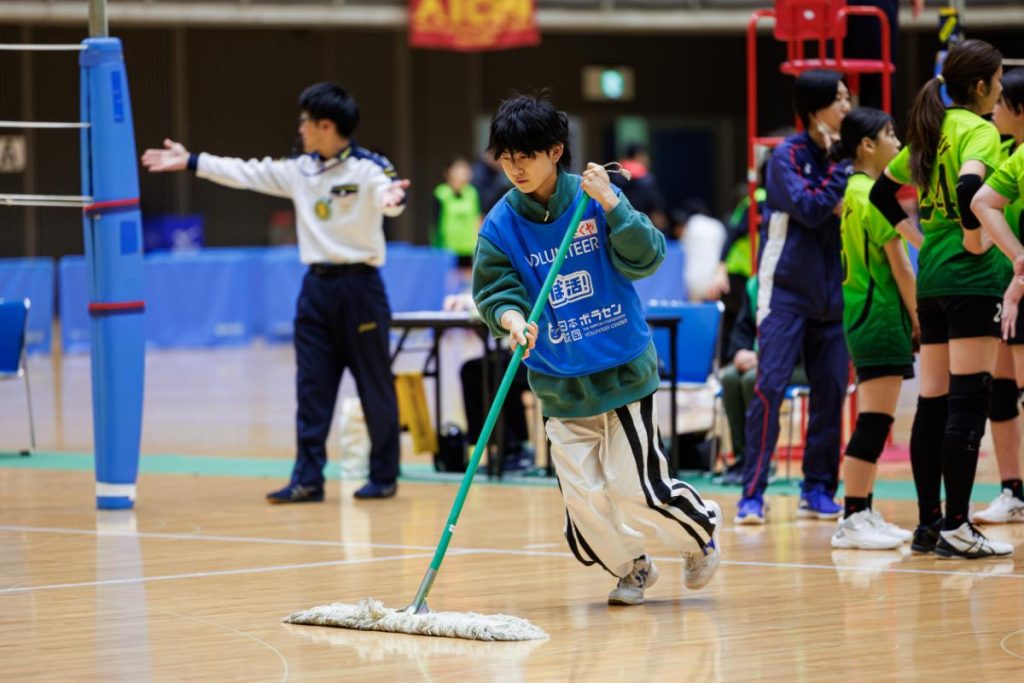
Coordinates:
(280, 468)
(214, 466)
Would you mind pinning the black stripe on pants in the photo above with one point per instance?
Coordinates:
(650, 475)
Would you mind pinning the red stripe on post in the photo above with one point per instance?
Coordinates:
(111, 205)
(115, 307)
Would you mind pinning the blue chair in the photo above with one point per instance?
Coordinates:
(700, 343)
(698, 346)
(32, 279)
(13, 360)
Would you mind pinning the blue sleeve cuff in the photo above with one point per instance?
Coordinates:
(193, 162)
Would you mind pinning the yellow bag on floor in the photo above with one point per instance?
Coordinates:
(413, 413)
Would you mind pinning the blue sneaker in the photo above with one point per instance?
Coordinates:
(296, 493)
(818, 504)
(751, 511)
(376, 490)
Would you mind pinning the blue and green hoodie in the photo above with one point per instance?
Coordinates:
(594, 351)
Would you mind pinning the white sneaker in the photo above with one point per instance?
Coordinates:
(699, 566)
(967, 542)
(903, 534)
(1006, 508)
(630, 590)
(859, 530)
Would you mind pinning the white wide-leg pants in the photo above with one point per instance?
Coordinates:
(616, 486)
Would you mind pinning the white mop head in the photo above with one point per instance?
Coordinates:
(372, 615)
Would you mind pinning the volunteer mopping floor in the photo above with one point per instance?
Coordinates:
(595, 371)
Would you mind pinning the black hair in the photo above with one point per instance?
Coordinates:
(635, 149)
(814, 90)
(455, 160)
(529, 124)
(968, 62)
(690, 207)
(862, 122)
(1013, 90)
(330, 101)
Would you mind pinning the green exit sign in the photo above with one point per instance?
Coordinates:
(609, 83)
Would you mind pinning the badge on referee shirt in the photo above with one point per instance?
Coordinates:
(322, 208)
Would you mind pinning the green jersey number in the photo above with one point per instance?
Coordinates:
(943, 199)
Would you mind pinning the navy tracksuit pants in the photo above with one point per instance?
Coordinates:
(343, 320)
(780, 337)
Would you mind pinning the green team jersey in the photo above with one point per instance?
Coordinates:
(945, 268)
(738, 260)
(1009, 186)
(1012, 171)
(1008, 180)
(876, 323)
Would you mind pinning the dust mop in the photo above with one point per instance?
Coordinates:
(370, 614)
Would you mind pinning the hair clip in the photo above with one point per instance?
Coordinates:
(619, 168)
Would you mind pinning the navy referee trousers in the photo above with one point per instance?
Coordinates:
(342, 321)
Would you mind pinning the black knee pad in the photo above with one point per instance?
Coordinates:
(968, 407)
(1003, 402)
(868, 440)
(932, 410)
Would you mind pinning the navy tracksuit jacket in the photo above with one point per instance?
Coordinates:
(799, 308)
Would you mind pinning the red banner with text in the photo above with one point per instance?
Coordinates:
(472, 25)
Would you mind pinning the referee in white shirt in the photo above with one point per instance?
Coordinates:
(341, 193)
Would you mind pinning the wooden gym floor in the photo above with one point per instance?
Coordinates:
(192, 584)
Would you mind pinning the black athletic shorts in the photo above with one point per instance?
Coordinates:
(1018, 331)
(871, 372)
(958, 317)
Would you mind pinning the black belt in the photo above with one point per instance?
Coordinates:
(341, 268)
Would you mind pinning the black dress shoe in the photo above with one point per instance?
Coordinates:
(373, 489)
(296, 493)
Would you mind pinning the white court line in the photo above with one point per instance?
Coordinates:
(483, 551)
(285, 541)
(250, 636)
(258, 539)
(229, 539)
(750, 528)
(1002, 644)
(886, 570)
(225, 572)
(769, 565)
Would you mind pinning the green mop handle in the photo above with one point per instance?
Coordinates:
(492, 415)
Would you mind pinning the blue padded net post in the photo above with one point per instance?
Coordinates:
(113, 252)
